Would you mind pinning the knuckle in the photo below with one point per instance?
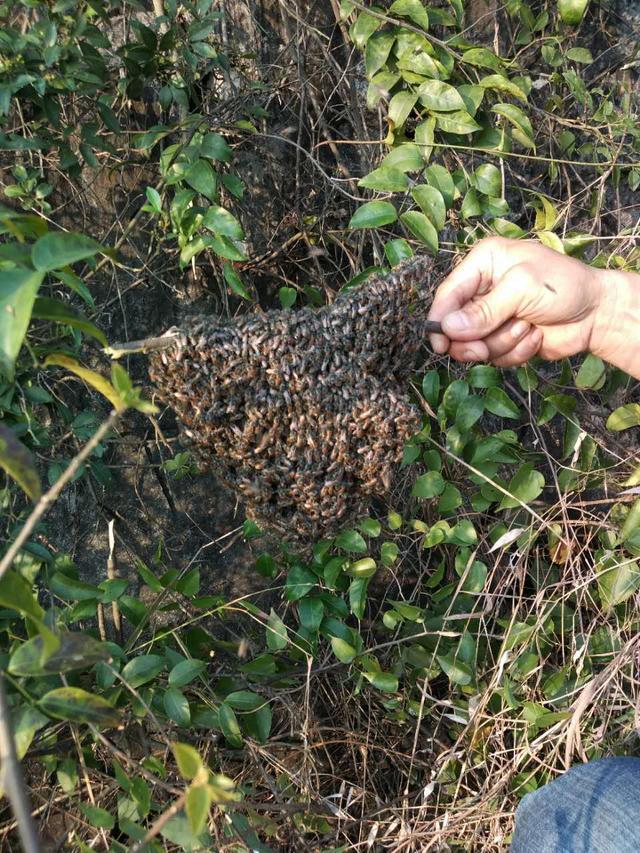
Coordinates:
(481, 313)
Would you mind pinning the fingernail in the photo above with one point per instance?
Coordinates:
(519, 329)
(457, 322)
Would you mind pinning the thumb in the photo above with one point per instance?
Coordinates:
(478, 318)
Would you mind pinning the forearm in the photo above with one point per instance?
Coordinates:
(616, 329)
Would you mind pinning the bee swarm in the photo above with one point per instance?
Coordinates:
(304, 413)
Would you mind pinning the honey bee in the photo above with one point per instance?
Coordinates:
(305, 414)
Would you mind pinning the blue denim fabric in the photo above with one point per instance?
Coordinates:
(593, 808)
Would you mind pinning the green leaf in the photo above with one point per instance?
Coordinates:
(311, 613)
(488, 180)
(277, 637)
(344, 651)
(363, 28)
(385, 681)
(424, 136)
(178, 831)
(229, 726)
(450, 499)
(234, 281)
(617, 580)
(572, 11)
(358, 596)
(18, 289)
(428, 485)
(432, 204)
(456, 670)
(463, 533)
(471, 204)
(76, 284)
(507, 229)
(154, 199)
(287, 296)
(377, 51)
(221, 222)
(300, 581)
(215, 147)
(431, 387)
(185, 672)
(90, 377)
(483, 376)
(454, 394)
(389, 553)
(373, 214)
(364, 568)
(197, 807)
(498, 403)
(370, 527)
(523, 131)
(411, 9)
(51, 309)
(25, 722)
(458, 122)
(405, 157)
(421, 228)
(482, 57)
(188, 760)
(142, 669)
(400, 106)
(57, 250)
(96, 816)
(74, 651)
(592, 373)
(525, 485)
(437, 176)
(440, 97)
(580, 54)
(624, 417)
(176, 706)
(352, 541)
(225, 248)
(19, 463)
(385, 179)
(72, 589)
(16, 594)
(203, 179)
(502, 84)
(472, 97)
(397, 251)
(75, 705)
(469, 412)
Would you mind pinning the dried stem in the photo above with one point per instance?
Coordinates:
(11, 779)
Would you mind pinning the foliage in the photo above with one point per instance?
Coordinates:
(474, 608)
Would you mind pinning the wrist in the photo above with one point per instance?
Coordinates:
(615, 335)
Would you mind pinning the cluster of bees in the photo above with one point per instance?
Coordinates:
(304, 413)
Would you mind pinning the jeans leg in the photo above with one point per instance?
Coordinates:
(592, 808)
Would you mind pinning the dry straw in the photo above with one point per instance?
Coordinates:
(304, 413)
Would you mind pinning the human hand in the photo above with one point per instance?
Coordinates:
(509, 300)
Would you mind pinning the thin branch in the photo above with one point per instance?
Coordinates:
(144, 345)
(11, 779)
(52, 495)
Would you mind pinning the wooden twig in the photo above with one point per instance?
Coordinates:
(11, 779)
(144, 345)
(49, 497)
(112, 574)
